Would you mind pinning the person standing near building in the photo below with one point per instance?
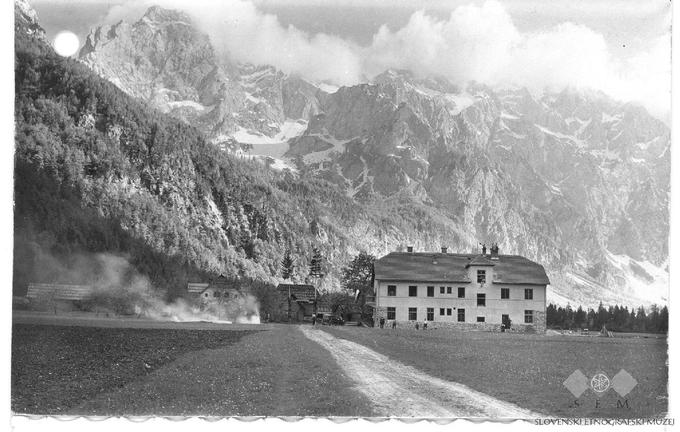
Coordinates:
(382, 322)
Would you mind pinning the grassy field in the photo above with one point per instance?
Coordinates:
(529, 370)
(132, 371)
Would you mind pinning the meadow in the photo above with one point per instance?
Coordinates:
(98, 366)
(177, 369)
(529, 370)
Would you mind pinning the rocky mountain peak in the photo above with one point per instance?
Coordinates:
(157, 14)
(26, 20)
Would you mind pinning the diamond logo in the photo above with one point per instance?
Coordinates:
(600, 383)
(577, 383)
(623, 383)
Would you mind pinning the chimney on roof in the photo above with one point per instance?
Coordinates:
(494, 251)
(483, 249)
(409, 249)
(444, 249)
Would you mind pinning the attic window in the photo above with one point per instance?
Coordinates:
(481, 276)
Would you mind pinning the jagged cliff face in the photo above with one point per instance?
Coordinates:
(164, 60)
(573, 179)
(26, 20)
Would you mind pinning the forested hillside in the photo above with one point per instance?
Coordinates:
(96, 170)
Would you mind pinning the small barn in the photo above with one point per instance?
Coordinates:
(302, 300)
(58, 296)
(218, 288)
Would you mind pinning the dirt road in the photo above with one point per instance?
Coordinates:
(398, 390)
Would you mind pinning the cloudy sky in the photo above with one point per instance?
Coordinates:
(621, 47)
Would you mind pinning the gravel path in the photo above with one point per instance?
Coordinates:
(398, 390)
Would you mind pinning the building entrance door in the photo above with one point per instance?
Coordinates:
(505, 320)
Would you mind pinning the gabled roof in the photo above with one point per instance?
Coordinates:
(440, 267)
(298, 292)
(196, 287)
(59, 291)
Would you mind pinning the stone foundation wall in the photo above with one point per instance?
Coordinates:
(540, 321)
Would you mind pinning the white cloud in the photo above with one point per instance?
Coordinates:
(249, 35)
(481, 43)
(476, 42)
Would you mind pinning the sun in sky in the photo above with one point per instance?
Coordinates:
(66, 43)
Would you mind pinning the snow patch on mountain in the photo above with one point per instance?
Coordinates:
(289, 129)
(338, 146)
(507, 116)
(461, 100)
(555, 298)
(328, 88)
(559, 135)
(643, 279)
(189, 104)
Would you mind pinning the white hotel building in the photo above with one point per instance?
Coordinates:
(468, 291)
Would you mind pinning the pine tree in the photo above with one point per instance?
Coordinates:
(287, 266)
(315, 264)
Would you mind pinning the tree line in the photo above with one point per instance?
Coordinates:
(614, 318)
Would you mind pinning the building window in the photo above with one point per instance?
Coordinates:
(481, 299)
(391, 313)
(448, 311)
(461, 292)
(448, 290)
(481, 276)
(430, 314)
(442, 290)
(461, 315)
(412, 291)
(528, 317)
(480, 319)
(430, 291)
(412, 314)
(391, 290)
(505, 293)
(441, 311)
(529, 294)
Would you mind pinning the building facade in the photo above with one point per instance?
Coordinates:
(217, 290)
(466, 291)
(301, 301)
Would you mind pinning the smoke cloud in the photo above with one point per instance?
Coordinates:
(118, 288)
(476, 42)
